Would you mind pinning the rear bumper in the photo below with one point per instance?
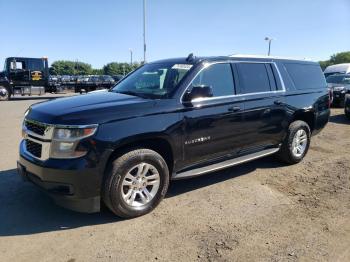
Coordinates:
(75, 189)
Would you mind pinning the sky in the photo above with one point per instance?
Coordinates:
(98, 32)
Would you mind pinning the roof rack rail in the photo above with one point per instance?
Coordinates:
(267, 57)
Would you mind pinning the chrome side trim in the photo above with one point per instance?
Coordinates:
(239, 95)
(236, 95)
(280, 77)
(224, 164)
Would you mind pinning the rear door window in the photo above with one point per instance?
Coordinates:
(306, 76)
(219, 77)
(254, 78)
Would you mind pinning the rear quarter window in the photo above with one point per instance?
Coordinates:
(306, 76)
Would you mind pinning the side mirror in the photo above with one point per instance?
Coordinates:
(198, 91)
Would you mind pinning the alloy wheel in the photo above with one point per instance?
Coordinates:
(140, 185)
(299, 143)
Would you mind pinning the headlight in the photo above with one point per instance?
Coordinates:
(65, 142)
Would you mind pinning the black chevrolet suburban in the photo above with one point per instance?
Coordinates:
(171, 119)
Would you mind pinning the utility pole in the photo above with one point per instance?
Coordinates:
(269, 39)
(130, 56)
(144, 32)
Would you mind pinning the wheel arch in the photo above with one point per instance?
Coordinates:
(308, 116)
(159, 143)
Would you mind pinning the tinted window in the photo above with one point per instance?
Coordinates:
(306, 76)
(219, 77)
(15, 65)
(35, 64)
(154, 80)
(254, 77)
(339, 79)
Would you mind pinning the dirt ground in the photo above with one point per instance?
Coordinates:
(260, 211)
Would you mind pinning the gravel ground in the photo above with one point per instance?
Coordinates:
(260, 211)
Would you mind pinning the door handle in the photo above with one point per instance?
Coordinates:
(278, 102)
(234, 109)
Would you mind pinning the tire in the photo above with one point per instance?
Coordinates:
(347, 114)
(288, 153)
(121, 179)
(347, 106)
(5, 94)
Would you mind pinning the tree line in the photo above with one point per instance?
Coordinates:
(66, 67)
(339, 58)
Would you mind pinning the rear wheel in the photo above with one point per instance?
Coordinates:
(136, 183)
(4, 94)
(296, 143)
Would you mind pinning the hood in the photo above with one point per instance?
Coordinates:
(95, 108)
(332, 85)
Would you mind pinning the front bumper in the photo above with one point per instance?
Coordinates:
(338, 97)
(74, 184)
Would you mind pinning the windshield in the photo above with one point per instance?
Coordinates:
(339, 79)
(156, 80)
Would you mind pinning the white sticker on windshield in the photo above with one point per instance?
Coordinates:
(182, 66)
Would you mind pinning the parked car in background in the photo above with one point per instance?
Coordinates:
(106, 81)
(65, 79)
(117, 78)
(171, 119)
(337, 69)
(54, 85)
(84, 84)
(340, 86)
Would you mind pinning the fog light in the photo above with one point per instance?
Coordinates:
(65, 146)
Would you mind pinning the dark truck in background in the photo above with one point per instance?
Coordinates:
(171, 119)
(24, 76)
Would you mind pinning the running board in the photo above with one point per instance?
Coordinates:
(224, 164)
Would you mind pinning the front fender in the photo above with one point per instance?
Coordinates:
(167, 127)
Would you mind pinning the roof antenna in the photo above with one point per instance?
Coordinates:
(190, 58)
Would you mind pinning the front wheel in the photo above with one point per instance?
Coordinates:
(136, 183)
(347, 112)
(347, 106)
(296, 143)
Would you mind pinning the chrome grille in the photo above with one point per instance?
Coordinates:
(34, 148)
(37, 138)
(36, 128)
